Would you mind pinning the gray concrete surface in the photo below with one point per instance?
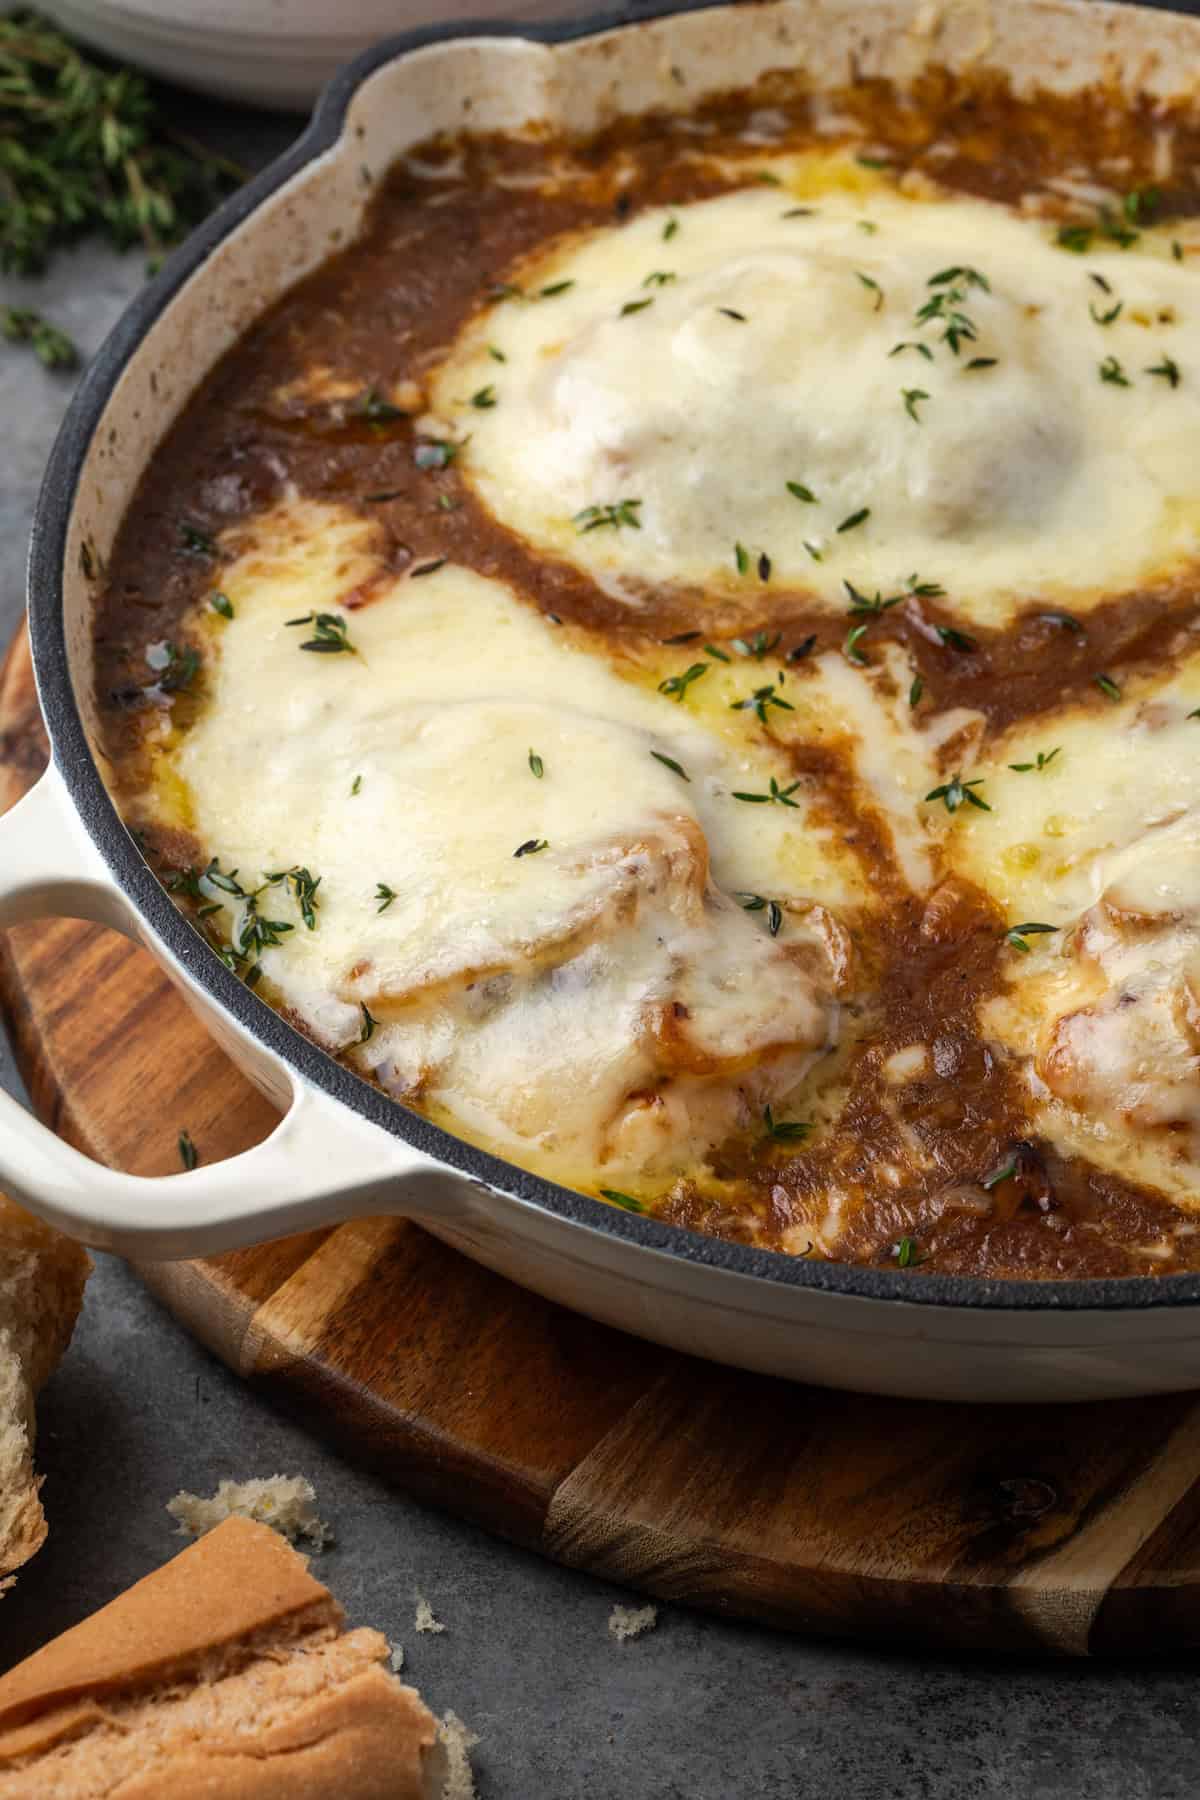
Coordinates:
(698, 1708)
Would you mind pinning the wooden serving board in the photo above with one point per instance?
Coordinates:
(1074, 1529)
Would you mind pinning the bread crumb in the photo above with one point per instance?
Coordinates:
(425, 1620)
(396, 1659)
(285, 1502)
(630, 1621)
(457, 1740)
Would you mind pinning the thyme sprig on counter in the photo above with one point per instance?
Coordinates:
(52, 347)
(86, 148)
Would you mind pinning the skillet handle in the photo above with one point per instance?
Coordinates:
(322, 1163)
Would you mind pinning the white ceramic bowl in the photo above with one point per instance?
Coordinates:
(275, 53)
(343, 1147)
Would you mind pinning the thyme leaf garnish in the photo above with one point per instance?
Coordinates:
(1167, 370)
(435, 453)
(385, 895)
(676, 686)
(798, 491)
(536, 765)
(1017, 935)
(912, 399)
(626, 1201)
(303, 885)
(330, 633)
(1106, 318)
(759, 903)
(760, 701)
(188, 1155)
(221, 603)
(1112, 372)
(669, 762)
(1005, 1172)
(855, 519)
(613, 513)
(850, 649)
(777, 796)
(870, 603)
(957, 792)
(785, 1131)
(377, 410)
(367, 1032)
(872, 287)
(955, 640)
(531, 846)
(180, 670)
(1044, 759)
(195, 542)
(1107, 686)
(905, 1253)
(760, 645)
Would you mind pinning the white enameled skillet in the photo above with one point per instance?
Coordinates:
(343, 1148)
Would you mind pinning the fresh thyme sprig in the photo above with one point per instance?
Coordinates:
(86, 148)
(22, 325)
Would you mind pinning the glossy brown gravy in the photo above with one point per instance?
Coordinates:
(440, 236)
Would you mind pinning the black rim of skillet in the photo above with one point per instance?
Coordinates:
(77, 768)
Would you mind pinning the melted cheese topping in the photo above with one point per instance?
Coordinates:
(542, 999)
(694, 363)
(1102, 844)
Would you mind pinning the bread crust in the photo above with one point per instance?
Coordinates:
(204, 1638)
(42, 1277)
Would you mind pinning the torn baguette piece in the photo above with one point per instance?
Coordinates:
(224, 1675)
(42, 1277)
